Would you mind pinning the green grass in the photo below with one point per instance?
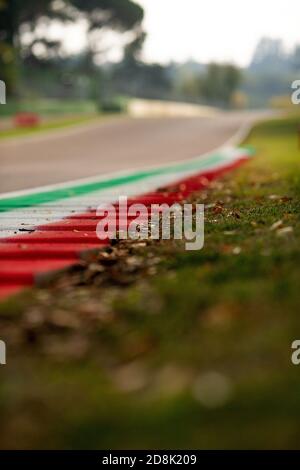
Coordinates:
(56, 124)
(56, 115)
(48, 107)
(194, 353)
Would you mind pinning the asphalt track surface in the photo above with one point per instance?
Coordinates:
(113, 145)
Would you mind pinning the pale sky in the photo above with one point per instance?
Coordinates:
(203, 30)
(222, 30)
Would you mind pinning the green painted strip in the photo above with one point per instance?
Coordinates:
(30, 200)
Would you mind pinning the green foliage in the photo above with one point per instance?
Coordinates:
(112, 105)
(219, 83)
(134, 78)
(214, 84)
(121, 15)
(49, 107)
(7, 53)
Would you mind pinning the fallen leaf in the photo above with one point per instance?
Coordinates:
(217, 209)
(235, 214)
(276, 225)
(284, 231)
(286, 199)
(230, 232)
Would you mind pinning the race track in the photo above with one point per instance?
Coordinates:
(115, 144)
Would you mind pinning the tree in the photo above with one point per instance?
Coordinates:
(219, 83)
(7, 57)
(295, 59)
(17, 15)
(231, 80)
(269, 56)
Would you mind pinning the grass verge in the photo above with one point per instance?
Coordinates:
(51, 125)
(154, 347)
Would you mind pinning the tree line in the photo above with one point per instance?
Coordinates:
(31, 62)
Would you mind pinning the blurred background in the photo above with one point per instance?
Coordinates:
(78, 57)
